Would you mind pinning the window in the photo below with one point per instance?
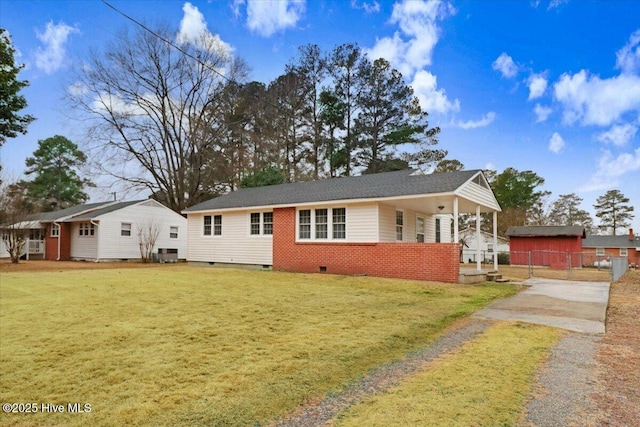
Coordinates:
(217, 225)
(623, 252)
(173, 232)
(125, 229)
(438, 235)
(207, 225)
(304, 223)
(86, 229)
(255, 223)
(339, 223)
(419, 229)
(322, 219)
(399, 224)
(55, 230)
(267, 223)
(490, 247)
(599, 251)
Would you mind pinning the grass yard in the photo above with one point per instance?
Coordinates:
(477, 386)
(179, 345)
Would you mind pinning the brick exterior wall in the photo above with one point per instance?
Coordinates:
(51, 243)
(419, 261)
(633, 256)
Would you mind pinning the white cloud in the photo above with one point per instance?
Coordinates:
(410, 49)
(486, 120)
(537, 85)
(505, 65)
(51, 56)
(193, 30)
(628, 58)
(611, 168)
(556, 3)
(618, 134)
(78, 89)
(595, 101)
(431, 98)
(268, 17)
(368, 7)
(542, 113)
(556, 143)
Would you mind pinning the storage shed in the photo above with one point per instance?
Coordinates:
(548, 246)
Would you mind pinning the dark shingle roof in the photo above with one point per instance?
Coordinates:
(546, 231)
(389, 184)
(73, 210)
(101, 211)
(611, 242)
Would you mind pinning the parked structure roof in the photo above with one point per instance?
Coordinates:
(622, 241)
(546, 231)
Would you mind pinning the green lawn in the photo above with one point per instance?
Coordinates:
(179, 345)
(486, 383)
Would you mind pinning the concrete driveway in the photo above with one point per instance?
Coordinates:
(572, 305)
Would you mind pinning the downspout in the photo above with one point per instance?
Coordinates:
(97, 241)
(59, 237)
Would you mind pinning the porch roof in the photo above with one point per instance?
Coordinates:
(425, 192)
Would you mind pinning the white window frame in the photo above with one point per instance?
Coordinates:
(255, 228)
(86, 229)
(399, 226)
(438, 230)
(600, 252)
(216, 226)
(624, 252)
(330, 225)
(266, 223)
(207, 228)
(55, 230)
(174, 234)
(419, 233)
(335, 223)
(124, 230)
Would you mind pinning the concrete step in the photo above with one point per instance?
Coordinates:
(494, 276)
(502, 280)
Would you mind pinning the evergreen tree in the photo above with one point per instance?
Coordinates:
(56, 184)
(11, 123)
(613, 211)
(566, 211)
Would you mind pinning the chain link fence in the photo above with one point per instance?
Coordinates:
(564, 265)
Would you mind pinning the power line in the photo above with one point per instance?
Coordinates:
(179, 49)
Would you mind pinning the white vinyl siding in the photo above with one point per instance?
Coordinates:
(235, 245)
(112, 246)
(85, 247)
(479, 194)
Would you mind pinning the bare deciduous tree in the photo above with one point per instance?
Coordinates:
(148, 233)
(151, 108)
(14, 217)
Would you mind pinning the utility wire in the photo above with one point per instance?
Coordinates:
(179, 49)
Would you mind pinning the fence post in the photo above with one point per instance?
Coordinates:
(569, 265)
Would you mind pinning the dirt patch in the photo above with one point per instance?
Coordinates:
(515, 273)
(42, 265)
(618, 373)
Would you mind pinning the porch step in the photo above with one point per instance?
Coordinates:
(494, 276)
(502, 280)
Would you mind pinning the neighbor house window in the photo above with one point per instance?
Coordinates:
(599, 251)
(86, 229)
(419, 229)
(207, 225)
(55, 230)
(339, 223)
(438, 235)
(322, 218)
(173, 232)
(217, 225)
(304, 224)
(125, 229)
(255, 223)
(267, 223)
(399, 224)
(623, 252)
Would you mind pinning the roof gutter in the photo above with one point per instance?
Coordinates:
(97, 240)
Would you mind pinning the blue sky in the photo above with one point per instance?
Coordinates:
(548, 86)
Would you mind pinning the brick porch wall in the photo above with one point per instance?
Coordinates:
(51, 243)
(419, 261)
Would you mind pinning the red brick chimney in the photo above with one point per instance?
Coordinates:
(631, 234)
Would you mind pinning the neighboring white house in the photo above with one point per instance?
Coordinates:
(110, 231)
(470, 249)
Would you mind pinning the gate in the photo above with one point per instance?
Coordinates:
(618, 267)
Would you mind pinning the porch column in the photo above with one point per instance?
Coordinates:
(495, 240)
(478, 250)
(456, 238)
